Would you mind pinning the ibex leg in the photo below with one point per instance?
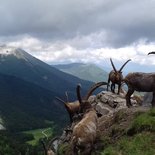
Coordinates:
(128, 95)
(119, 87)
(113, 88)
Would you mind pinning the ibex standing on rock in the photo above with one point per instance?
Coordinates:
(84, 133)
(143, 82)
(116, 77)
(74, 107)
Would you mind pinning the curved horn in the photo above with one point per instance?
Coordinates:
(124, 65)
(60, 100)
(78, 93)
(113, 65)
(151, 53)
(95, 86)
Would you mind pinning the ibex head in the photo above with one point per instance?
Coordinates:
(84, 103)
(115, 76)
(120, 70)
(74, 107)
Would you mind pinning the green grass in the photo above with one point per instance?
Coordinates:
(139, 144)
(139, 140)
(64, 149)
(38, 135)
(145, 121)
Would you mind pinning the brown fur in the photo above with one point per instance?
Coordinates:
(143, 82)
(50, 152)
(116, 77)
(84, 133)
(73, 108)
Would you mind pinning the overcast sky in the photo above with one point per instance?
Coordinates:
(61, 31)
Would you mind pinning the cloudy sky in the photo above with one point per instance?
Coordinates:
(61, 31)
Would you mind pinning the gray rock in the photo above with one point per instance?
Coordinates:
(108, 102)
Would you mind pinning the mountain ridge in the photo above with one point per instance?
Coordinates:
(90, 72)
(29, 87)
(34, 70)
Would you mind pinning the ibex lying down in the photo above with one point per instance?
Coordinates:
(143, 82)
(74, 107)
(84, 133)
(116, 77)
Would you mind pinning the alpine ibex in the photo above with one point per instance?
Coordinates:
(139, 81)
(84, 133)
(116, 77)
(74, 107)
(143, 82)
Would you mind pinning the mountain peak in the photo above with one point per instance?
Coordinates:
(10, 50)
(6, 50)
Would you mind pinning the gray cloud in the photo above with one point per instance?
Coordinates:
(112, 23)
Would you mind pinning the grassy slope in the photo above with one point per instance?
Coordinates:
(27, 105)
(128, 132)
(139, 138)
(37, 134)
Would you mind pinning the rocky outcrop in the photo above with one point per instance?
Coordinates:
(110, 106)
(147, 99)
(108, 103)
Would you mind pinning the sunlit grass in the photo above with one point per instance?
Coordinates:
(38, 134)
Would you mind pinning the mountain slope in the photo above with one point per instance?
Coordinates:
(28, 88)
(26, 106)
(89, 72)
(18, 63)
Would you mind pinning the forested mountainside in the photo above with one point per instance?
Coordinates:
(25, 106)
(20, 64)
(28, 90)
